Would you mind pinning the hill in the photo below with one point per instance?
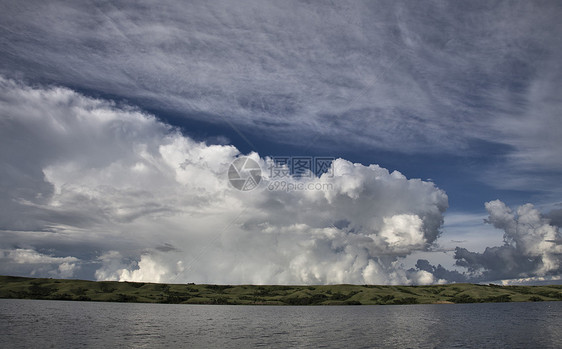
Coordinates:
(113, 291)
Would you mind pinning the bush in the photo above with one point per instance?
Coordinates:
(136, 284)
(264, 292)
(218, 288)
(463, 298)
(498, 299)
(387, 298)
(551, 294)
(341, 297)
(125, 298)
(404, 289)
(219, 300)
(176, 298)
(79, 291)
(62, 297)
(106, 287)
(314, 299)
(40, 291)
(407, 300)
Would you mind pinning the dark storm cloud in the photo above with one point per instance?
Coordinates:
(440, 273)
(555, 217)
(531, 249)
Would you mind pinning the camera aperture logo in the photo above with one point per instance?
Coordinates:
(244, 173)
(286, 173)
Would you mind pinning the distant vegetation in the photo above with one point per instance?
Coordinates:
(112, 291)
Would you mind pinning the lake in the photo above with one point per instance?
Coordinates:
(64, 324)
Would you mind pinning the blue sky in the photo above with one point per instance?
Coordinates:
(464, 96)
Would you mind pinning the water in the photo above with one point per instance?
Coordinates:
(61, 324)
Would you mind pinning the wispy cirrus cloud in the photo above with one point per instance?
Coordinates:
(413, 78)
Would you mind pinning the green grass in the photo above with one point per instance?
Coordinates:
(112, 291)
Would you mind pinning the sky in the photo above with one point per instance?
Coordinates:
(441, 120)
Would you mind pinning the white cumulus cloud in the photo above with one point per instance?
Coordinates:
(32, 263)
(134, 199)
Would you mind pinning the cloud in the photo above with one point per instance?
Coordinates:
(477, 80)
(555, 217)
(132, 198)
(527, 233)
(531, 250)
(423, 78)
(36, 264)
(440, 273)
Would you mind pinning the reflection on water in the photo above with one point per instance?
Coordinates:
(33, 323)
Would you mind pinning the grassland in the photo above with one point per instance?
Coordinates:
(112, 291)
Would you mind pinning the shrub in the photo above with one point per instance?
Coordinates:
(106, 287)
(407, 300)
(341, 297)
(125, 298)
(79, 291)
(314, 299)
(40, 291)
(218, 288)
(62, 297)
(387, 298)
(498, 299)
(463, 298)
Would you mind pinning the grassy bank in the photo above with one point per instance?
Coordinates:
(112, 291)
